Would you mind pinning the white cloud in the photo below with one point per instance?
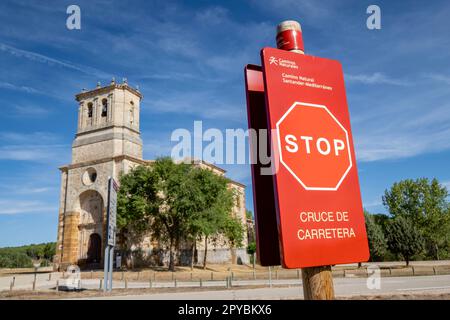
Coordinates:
(213, 16)
(33, 56)
(10, 86)
(376, 78)
(371, 204)
(398, 144)
(27, 138)
(439, 77)
(37, 153)
(205, 104)
(400, 123)
(12, 207)
(30, 111)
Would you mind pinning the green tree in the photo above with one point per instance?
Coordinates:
(176, 202)
(210, 206)
(425, 203)
(15, 259)
(251, 250)
(178, 198)
(49, 250)
(404, 238)
(376, 238)
(382, 220)
(21, 257)
(137, 202)
(233, 230)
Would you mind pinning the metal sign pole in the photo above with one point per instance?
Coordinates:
(106, 262)
(111, 256)
(110, 234)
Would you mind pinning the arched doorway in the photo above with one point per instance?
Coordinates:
(94, 253)
(91, 227)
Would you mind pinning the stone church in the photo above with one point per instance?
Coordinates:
(108, 144)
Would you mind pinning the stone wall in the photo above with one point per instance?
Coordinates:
(70, 239)
(157, 257)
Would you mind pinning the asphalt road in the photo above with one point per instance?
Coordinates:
(343, 287)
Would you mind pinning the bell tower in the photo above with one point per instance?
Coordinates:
(108, 123)
(107, 143)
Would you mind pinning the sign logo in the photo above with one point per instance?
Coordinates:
(273, 60)
(314, 146)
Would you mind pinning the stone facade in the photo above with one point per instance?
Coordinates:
(108, 143)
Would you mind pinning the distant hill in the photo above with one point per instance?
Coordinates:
(23, 256)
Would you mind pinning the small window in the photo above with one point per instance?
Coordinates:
(104, 108)
(90, 110)
(89, 177)
(132, 112)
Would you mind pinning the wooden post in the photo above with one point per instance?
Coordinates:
(318, 283)
(270, 277)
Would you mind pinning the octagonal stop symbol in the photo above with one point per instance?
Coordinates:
(314, 146)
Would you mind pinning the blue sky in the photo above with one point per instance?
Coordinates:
(188, 58)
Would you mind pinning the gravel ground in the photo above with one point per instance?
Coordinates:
(50, 294)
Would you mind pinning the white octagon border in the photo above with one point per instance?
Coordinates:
(281, 154)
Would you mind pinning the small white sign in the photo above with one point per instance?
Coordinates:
(112, 211)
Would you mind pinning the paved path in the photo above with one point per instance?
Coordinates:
(343, 287)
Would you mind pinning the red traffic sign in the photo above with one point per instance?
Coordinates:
(314, 146)
(317, 196)
(266, 229)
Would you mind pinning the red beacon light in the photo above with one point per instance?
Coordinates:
(289, 37)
